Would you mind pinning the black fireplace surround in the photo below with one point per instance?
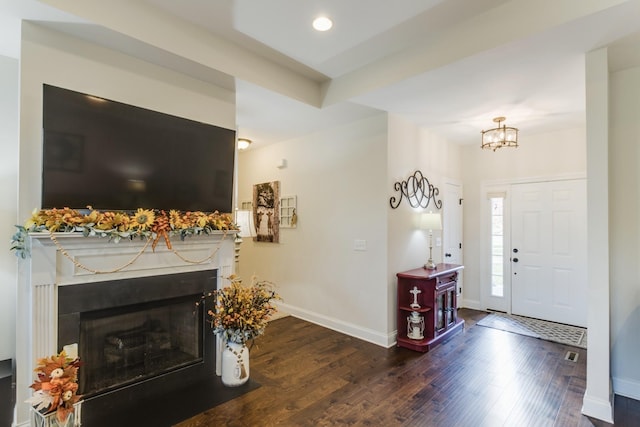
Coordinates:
(147, 351)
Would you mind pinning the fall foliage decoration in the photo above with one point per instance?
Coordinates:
(144, 223)
(241, 313)
(56, 386)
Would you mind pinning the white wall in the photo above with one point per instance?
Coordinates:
(339, 178)
(554, 154)
(624, 217)
(343, 179)
(411, 148)
(8, 195)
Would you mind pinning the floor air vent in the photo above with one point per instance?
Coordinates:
(571, 356)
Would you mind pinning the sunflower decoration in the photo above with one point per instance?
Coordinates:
(220, 221)
(117, 225)
(58, 219)
(201, 219)
(93, 218)
(142, 220)
(175, 220)
(113, 221)
(56, 386)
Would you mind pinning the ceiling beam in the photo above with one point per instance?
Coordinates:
(517, 19)
(160, 29)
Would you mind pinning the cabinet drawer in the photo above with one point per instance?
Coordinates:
(443, 282)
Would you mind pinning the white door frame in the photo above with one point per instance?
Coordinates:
(495, 186)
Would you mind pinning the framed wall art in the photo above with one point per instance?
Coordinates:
(266, 211)
(288, 214)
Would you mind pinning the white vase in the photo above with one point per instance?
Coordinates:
(235, 364)
(50, 420)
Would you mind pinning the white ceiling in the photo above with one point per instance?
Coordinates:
(447, 65)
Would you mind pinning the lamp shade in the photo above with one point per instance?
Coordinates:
(244, 220)
(430, 221)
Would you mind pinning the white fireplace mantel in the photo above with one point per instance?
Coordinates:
(48, 268)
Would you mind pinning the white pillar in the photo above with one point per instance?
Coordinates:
(598, 397)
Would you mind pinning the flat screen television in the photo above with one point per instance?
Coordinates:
(114, 156)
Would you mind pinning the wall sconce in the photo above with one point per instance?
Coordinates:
(430, 221)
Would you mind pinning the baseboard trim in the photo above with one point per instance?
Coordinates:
(365, 334)
(598, 408)
(626, 388)
(471, 304)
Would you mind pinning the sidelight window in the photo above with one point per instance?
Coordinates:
(497, 246)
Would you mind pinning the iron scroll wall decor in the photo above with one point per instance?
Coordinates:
(418, 191)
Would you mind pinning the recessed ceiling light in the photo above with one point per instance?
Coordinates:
(243, 143)
(322, 23)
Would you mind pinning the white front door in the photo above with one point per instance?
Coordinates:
(549, 251)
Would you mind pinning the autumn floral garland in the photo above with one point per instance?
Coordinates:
(153, 225)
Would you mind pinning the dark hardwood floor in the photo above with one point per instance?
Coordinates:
(312, 376)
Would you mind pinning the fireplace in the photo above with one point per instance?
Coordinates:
(143, 343)
(137, 337)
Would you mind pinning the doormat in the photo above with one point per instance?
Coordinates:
(542, 329)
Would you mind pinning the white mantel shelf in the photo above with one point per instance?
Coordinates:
(99, 253)
(47, 268)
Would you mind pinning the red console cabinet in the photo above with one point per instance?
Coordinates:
(435, 292)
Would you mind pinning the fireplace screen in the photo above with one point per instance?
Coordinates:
(131, 343)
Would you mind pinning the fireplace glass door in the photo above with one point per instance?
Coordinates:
(131, 343)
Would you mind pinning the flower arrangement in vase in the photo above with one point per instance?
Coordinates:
(56, 387)
(240, 313)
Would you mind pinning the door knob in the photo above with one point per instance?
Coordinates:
(515, 260)
(515, 250)
(447, 255)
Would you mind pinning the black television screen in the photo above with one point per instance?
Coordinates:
(114, 156)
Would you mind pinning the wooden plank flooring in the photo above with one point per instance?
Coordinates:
(312, 376)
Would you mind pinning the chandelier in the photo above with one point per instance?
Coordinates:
(501, 136)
